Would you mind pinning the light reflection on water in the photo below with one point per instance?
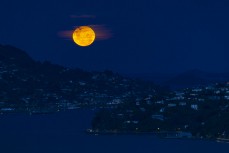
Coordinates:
(64, 133)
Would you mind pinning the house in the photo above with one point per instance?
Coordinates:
(178, 134)
(162, 110)
(217, 92)
(226, 97)
(148, 98)
(159, 102)
(81, 83)
(194, 106)
(179, 94)
(186, 126)
(197, 90)
(223, 89)
(175, 98)
(193, 94)
(172, 105)
(214, 97)
(7, 109)
(116, 101)
(182, 103)
(184, 134)
(120, 115)
(200, 99)
(129, 122)
(158, 117)
(135, 122)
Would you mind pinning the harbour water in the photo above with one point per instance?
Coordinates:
(64, 133)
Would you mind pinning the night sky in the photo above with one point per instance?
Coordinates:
(148, 36)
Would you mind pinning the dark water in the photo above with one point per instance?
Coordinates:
(63, 133)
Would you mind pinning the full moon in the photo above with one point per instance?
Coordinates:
(83, 36)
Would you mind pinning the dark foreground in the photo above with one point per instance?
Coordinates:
(64, 133)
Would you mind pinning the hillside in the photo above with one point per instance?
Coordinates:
(194, 78)
(202, 111)
(31, 86)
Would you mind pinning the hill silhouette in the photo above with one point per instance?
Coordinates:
(31, 85)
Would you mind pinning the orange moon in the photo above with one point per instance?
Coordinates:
(83, 36)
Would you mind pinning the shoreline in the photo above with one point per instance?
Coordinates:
(161, 135)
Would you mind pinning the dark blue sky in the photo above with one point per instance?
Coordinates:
(149, 36)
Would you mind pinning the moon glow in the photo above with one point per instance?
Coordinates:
(83, 36)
